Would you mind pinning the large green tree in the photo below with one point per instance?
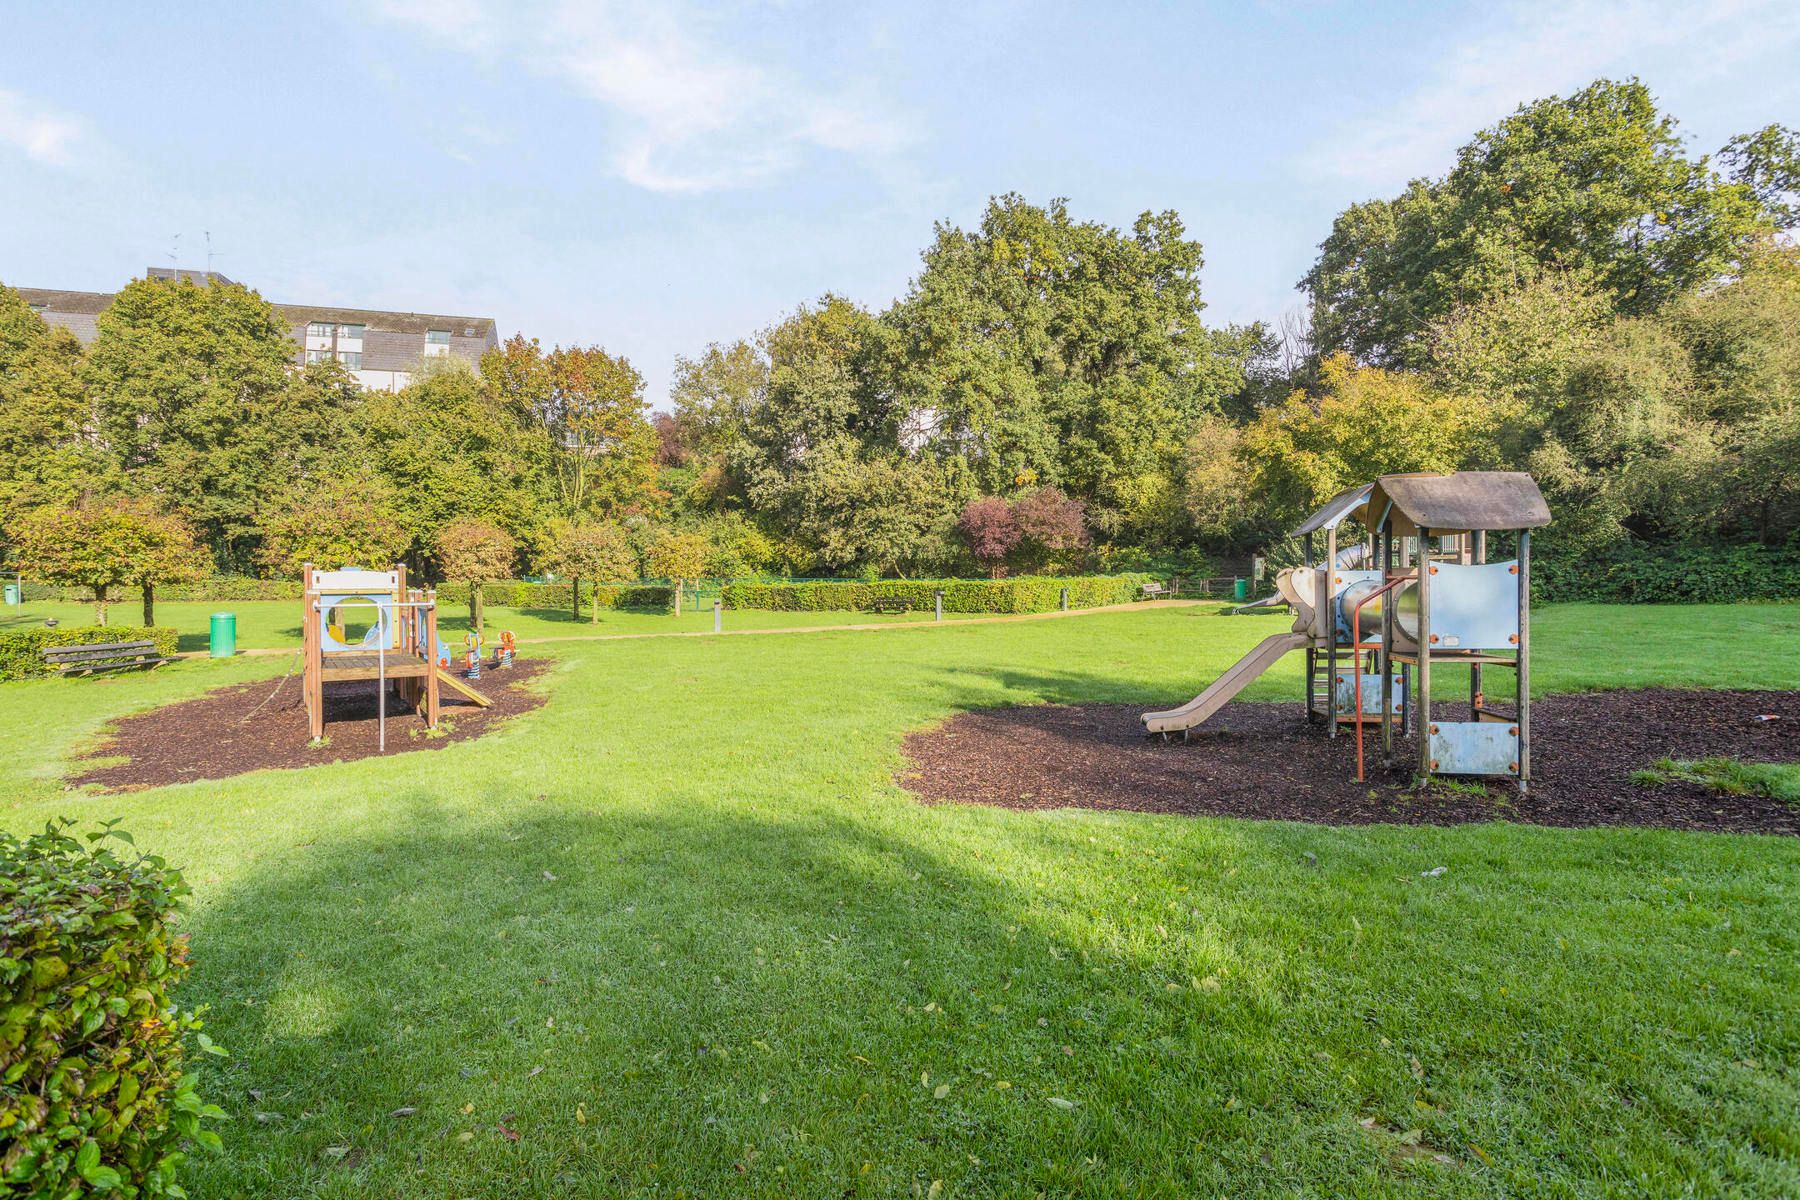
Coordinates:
(591, 403)
(50, 451)
(195, 400)
(1598, 183)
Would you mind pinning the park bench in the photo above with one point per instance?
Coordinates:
(1153, 591)
(102, 656)
(890, 604)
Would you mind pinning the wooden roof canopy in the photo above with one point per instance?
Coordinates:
(1459, 503)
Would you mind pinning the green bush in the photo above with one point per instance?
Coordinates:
(93, 1097)
(1024, 594)
(209, 591)
(1669, 575)
(511, 593)
(22, 650)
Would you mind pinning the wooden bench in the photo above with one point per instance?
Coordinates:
(1153, 591)
(890, 604)
(102, 656)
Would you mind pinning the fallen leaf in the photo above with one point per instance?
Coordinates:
(580, 1115)
(1065, 1105)
(468, 1108)
(1478, 1152)
(403, 1112)
(943, 1089)
(336, 1151)
(466, 1135)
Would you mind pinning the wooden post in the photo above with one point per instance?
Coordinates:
(1475, 553)
(1385, 541)
(1524, 707)
(1424, 656)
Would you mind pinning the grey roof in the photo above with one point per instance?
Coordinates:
(1333, 512)
(57, 300)
(54, 300)
(1466, 500)
(397, 322)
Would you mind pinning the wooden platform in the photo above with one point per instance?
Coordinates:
(341, 667)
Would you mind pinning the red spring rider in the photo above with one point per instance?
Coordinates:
(503, 653)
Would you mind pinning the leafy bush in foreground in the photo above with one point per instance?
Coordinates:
(92, 1093)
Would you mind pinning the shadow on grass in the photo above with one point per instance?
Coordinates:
(743, 1007)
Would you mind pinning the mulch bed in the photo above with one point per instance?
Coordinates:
(1266, 761)
(224, 732)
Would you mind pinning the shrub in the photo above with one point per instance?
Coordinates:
(1021, 594)
(22, 650)
(1669, 575)
(93, 1097)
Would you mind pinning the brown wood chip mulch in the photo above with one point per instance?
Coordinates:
(1266, 761)
(230, 730)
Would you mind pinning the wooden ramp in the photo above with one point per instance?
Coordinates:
(450, 680)
(1264, 656)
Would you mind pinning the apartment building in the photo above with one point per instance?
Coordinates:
(382, 349)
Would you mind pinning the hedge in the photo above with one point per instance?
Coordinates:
(511, 593)
(1023, 594)
(22, 650)
(93, 1096)
(1670, 575)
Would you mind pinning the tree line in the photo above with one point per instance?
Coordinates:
(1579, 296)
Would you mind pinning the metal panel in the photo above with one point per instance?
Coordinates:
(354, 580)
(1475, 607)
(1331, 513)
(1341, 581)
(1474, 748)
(1345, 694)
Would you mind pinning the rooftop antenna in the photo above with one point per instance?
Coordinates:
(208, 234)
(174, 256)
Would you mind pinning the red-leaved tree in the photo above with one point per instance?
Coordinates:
(990, 531)
(1051, 526)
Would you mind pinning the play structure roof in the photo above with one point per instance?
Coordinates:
(1467, 500)
(1331, 513)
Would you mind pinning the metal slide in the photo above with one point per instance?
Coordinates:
(1226, 686)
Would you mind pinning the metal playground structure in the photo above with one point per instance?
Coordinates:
(1415, 592)
(400, 645)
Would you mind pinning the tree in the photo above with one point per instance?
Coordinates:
(103, 545)
(990, 530)
(678, 557)
(455, 448)
(1368, 422)
(597, 551)
(603, 447)
(341, 520)
(1767, 162)
(50, 453)
(478, 552)
(1597, 184)
(193, 391)
(1051, 526)
(165, 551)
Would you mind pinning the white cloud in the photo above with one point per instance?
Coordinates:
(689, 115)
(39, 132)
(1544, 47)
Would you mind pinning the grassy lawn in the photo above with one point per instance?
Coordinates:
(680, 934)
(263, 624)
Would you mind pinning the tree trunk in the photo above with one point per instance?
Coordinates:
(575, 598)
(149, 603)
(476, 604)
(594, 603)
(678, 597)
(100, 604)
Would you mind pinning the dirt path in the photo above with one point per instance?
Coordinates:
(1266, 761)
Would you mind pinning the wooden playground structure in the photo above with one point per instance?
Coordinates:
(1414, 592)
(400, 646)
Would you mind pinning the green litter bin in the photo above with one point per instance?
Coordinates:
(12, 595)
(224, 635)
(1240, 589)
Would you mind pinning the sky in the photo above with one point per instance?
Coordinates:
(655, 177)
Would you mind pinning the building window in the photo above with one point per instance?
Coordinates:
(314, 356)
(318, 329)
(437, 337)
(351, 359)
(351, 331)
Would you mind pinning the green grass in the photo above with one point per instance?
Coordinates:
(681, 933)
(266, 624)
(1728, 776)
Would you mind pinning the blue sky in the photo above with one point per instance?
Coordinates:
(653, 177)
